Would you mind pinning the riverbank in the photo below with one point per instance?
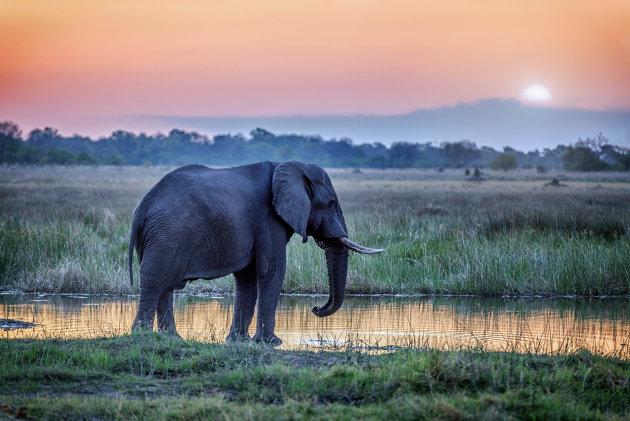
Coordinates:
(155, 377)
(65, 229)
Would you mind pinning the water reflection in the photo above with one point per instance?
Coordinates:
(524, 325)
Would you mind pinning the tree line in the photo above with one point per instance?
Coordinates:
(179, 147)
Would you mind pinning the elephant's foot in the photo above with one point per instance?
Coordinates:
(238, 337)
(271, 340)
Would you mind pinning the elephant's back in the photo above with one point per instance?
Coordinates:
(225, 193)
(235, 183)
(213, 214)
(257, 175)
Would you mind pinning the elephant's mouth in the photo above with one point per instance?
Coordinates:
(345, 241)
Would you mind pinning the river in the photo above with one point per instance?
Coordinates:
(382, 323)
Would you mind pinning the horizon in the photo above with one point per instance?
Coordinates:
(159, 125)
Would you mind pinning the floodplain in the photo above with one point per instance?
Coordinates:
(532, 279)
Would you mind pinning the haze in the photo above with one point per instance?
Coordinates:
(90, 67)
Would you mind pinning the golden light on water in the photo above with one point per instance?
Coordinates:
(376, 324)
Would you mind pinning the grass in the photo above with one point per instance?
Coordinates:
(149, 376)
(66, 230)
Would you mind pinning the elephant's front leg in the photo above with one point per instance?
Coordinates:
(244, 304)
(165, 316)
(270, 277)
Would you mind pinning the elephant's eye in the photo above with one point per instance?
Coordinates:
(332, 203)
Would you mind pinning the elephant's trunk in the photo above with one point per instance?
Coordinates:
(337, 262)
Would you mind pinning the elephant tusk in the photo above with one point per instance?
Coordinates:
(355, 247)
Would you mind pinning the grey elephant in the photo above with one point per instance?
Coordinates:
(203, 223)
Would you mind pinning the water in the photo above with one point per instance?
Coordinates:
(534, 325)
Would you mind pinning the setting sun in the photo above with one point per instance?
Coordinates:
(536, 93)
(86, 66)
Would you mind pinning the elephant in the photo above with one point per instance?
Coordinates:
(204, 223)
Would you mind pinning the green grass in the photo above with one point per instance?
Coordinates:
(65, 230)
(149, 376)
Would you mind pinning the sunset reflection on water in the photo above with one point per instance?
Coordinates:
(536, 325)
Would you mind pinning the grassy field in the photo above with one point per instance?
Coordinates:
(65, 229)
(148, 376)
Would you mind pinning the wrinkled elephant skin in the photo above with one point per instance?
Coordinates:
(202, 223)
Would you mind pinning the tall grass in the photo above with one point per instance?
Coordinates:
(491, 240)
(66, 230)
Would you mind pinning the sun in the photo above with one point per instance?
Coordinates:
(536, 93)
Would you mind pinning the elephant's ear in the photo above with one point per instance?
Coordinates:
(290, 196)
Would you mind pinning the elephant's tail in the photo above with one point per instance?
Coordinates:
(133, 238)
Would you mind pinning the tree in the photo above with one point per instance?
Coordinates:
(459, 154)
(10, 141)
(286, 153)
(597, 144)
(585, 154)
(260, 135)
(504, 161)
(85, 159)
(403, 154)
(623, 159)
(9, 129)
(580, 158)
(45, 137)
(115, 159)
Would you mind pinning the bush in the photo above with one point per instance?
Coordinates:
(504, 162)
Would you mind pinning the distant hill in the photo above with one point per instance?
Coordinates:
(493, 122)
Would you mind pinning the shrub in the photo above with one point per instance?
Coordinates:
(504, 162)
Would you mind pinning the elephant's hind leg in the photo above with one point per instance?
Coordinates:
(244, 303)
(149, 296)
(146, 312)
(165, 316)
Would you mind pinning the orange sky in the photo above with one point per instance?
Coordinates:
(68, 63)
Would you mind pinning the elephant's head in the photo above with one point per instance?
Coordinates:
(305, 199)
